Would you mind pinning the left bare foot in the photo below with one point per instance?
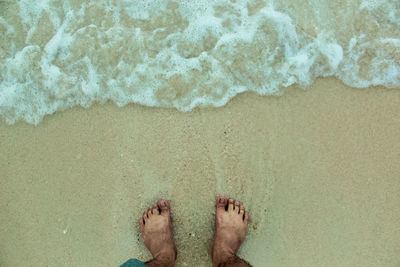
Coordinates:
(157, 231)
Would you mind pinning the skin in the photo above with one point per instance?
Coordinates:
(157, 232)
(231, 222)
(230, 231)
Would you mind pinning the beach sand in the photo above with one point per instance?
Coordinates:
(318, 170)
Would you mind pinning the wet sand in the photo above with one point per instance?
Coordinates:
(318, 170)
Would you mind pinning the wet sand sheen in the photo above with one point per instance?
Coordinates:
(317, 169)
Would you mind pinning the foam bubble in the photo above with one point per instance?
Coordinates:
(185, 54)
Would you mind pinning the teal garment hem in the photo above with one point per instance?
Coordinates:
(133, 263)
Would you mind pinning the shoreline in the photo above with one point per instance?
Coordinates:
(317, 169)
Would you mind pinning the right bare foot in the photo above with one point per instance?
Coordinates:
(230, 229)
(157, 232)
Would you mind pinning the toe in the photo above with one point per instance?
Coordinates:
(237, 206)
(221, 202)
(246, 217)
(141, 223)
(149, 213)
(155, 210)
(231, 204)
(164, 207)
(144, 216)
(141, 220)
(241, 210)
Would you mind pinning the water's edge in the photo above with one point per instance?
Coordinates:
(59, 54)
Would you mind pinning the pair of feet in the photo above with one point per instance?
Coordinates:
(230, 230)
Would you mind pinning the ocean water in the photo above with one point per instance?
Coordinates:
(56, 54)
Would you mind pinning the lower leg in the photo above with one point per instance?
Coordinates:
(160, 263)
(234, 261)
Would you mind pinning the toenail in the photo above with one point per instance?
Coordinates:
(163, 204)
(222, 200)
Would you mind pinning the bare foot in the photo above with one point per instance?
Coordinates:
(157, 232)
(230, 229)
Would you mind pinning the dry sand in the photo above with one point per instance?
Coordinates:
(318, 170)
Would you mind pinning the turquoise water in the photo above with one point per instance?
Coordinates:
(182, 54)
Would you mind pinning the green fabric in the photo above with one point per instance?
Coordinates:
(133, 263)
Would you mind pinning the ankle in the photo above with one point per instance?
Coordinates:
(225, 261)
(161, 261)
(232, 261)
(222, 255)
(166, 260)
(166, 256)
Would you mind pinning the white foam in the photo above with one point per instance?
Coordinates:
(189, 53)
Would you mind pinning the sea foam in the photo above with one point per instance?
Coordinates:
(57, 54)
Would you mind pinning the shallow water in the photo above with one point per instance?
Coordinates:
(57, 54)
